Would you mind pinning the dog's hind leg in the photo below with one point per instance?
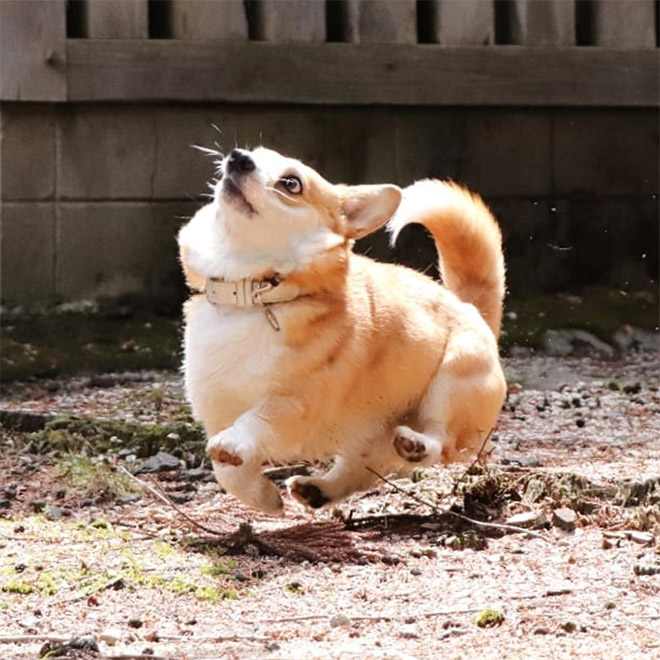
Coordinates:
(345, 477)
(457, 414)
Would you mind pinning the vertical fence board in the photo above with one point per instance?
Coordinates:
(543, 22)
(373, 21)
(33, 50)
(461, 23)
(208, 19)
(117, 19)
(624, 23)
(290, 20)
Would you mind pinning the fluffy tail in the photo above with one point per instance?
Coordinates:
(468, 240)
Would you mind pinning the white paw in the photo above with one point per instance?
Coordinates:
(247, 484)
(225, 448)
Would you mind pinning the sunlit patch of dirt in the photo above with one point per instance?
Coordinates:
(552, 539)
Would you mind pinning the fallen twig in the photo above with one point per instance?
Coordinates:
(477, 459)
(209, 639)
(480, 523)
(26, 639)
(160, 494)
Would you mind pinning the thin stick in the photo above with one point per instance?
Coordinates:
(163, 498)
(140, 656)
(477, 458)
(26, 639)
(212, 638)
(419, 500)
(383, 617)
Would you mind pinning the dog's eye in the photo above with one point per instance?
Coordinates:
(292, 184)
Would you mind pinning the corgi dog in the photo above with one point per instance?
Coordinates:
(297, 348)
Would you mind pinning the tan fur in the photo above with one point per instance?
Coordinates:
(375, 365)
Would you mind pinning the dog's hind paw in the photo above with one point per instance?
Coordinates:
(303, 490)
(410, 445)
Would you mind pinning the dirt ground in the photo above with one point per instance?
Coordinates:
(102, 559)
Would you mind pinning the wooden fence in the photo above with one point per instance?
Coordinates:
(399, 52)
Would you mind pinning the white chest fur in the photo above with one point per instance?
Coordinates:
(229, 359)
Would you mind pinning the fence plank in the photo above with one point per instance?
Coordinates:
(117, 19)
(624, 23)
(208, 19)
(290, 20)
(33, 50)
(460, 23)
(543, 22)
(398, 74)
(374, 21)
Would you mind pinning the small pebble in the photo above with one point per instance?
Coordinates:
(110, 636)
(339, 620)
(565, 519)
(408, 631)
(528, 519)
(643, 538)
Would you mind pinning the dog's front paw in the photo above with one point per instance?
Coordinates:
(305, 491)
(223, 448)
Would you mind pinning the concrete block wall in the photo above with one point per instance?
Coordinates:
(93, 195)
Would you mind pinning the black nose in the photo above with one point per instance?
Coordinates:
(240, 161)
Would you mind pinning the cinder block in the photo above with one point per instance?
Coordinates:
(537, 249)
(106, 152)
(27, 160)
(614, 240)
(180, 170)
(508, 152)
(27, 234)
(494, 152)
(428, 143)
(360, 150)
(115, 249)
(605, 152)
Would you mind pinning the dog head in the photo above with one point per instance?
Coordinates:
(275, 214)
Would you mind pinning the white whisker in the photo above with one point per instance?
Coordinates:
(207, 151)
(279, 192)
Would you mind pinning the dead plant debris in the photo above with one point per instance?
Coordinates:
(91, 542)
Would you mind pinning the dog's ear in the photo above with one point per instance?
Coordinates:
(366, 208)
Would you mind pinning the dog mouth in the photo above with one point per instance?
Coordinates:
(232, 191)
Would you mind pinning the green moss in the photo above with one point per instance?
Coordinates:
(489, 618)
(55, 344)
(294, 587)
(68, 434)
(601, 311)
(47, 583)
(17, 587)
(92, 478)
(218, 569)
